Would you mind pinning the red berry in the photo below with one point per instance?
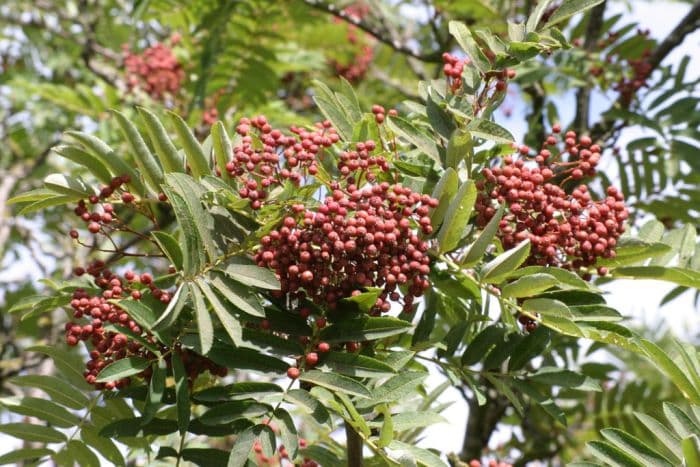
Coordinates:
(311, 359)
(293, 373)
(324, 347)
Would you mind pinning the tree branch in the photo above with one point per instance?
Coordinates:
(354, 446)
(689, 23)
(583, 95)
(483, 419)
(382, 36)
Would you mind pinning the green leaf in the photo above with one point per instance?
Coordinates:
(17, 456)
(138, 311)
(240, 297)
(174, 308)
(87, 160)
(40, 408)
(489, 130)
(289, 432)
(353, 364)
(122, 369)
(547, 307)
(663, 434)
(634, 447)
(502, 387)
(634, 251)
(237, 391)
(565, 378)
(205, 327)
(457, 217)
(222, 148)
(69, 186)
(482, 344)
(397, 387)
(104, 446)
(206, 457)
(569, 8)
(365, 300)
(336, 383)
(444, 191)
(364, 329)
(242, 446)
(182, 393)
(194, 152)
(168, 244)
(69, 364)
(691, 450)
(59, 390)
(348, 100)
(438, 118)
(332, 109)
(386, 432)
(536, 16)
(243, 271)
(528, 286)
(421, 140)
(82, 454)
(477, 249)
(309, 404)
(146, 162)
(234, 410)
(424, 457)
(679, 276)
(612, 455)
(465, 40)
(531, 346)
(156, 388)
(670, 369)
(680, 421)
(405, 421)
(116, 165)
(523, 50)
(32, 432)
(165, 149)
(197, 225)
(498, 269)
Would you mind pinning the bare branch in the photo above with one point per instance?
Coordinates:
(583, 95)
(381, 36)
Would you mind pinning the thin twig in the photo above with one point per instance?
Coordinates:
(381, 36)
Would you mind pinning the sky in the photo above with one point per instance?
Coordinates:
(636, 299)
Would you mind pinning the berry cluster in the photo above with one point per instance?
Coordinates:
(492, 463)
(96, 221)
(156, 71)
(279, 158)
(628, 85)
(359, 64)
(357, 67)
(359, 237)
(567, 230)
(282, 453)
(452, 69)
(633, 71)
(210, 116)
(109, 346)
(380, 113)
